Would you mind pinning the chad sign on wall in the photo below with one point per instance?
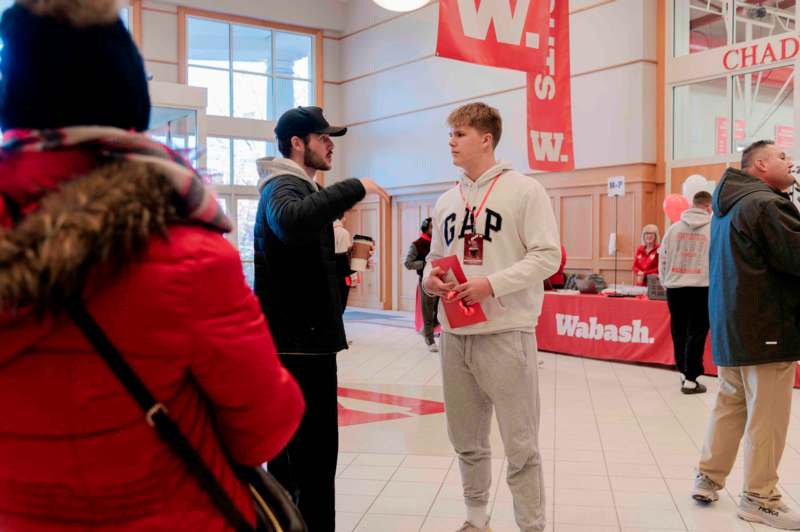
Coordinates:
(527, 35)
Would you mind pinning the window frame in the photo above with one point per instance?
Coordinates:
(317, 60)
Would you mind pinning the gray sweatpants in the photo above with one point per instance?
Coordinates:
(500, 370)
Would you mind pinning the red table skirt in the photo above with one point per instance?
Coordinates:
(624, 329)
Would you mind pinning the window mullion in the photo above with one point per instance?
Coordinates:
(230, 70)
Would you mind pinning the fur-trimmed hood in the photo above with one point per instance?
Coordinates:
(103, 219)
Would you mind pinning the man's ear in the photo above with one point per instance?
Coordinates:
(488, 141)
(297, 143)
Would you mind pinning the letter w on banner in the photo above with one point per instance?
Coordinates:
(499, 33)
(550, 100)
(527, 35)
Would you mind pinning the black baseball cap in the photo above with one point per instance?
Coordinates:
(301, 121)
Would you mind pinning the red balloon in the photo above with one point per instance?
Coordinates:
(674, 205)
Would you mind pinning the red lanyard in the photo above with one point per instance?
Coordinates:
(485, 197)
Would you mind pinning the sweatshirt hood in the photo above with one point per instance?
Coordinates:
(488, 175)
(735, 185)
(271, 167)
(695, 217)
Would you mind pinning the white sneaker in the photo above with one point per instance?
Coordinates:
(705, 490)
(433, 348)
(780, 516)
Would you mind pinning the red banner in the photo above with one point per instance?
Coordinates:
(550, 101)
(500, 33)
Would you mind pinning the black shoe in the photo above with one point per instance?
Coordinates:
(692, 387)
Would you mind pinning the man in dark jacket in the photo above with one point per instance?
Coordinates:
(415, 260)
(297, 284)
(754, 300)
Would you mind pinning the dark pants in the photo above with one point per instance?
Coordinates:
(307, 466)
(344, 292)
(429, 306)
(688, 309)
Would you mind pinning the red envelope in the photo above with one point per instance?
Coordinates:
(458, 315)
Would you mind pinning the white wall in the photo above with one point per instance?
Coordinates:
(383, 81)
(395, 94)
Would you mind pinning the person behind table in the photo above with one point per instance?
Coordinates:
(683, 270)
(645, 262)
(493, 364)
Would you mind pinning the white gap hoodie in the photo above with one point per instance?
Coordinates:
(683, 255)
(521, 246)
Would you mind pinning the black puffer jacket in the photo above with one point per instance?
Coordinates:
(295, 267)
(754, 275)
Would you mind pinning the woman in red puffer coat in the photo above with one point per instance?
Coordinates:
(107, 215)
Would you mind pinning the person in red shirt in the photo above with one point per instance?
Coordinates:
(645, 262)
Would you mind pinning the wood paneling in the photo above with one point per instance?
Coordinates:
(410, 212)
(586, 215)
(365, 219)
(712, 172)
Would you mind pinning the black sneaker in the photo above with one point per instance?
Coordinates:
(691, 387)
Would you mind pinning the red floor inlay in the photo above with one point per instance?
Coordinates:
(419, 407)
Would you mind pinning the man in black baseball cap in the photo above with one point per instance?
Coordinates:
(297, 284)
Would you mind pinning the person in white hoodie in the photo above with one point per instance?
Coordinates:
(503, 222)
(683, 269)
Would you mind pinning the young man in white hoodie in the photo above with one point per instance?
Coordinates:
(683, 269)
(503, 222)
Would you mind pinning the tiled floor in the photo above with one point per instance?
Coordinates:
(619, 444)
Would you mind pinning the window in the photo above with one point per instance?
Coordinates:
(701, 25)
(763, 107)
(233, 161)
(756, 19)
(249, 72)
(701, 119)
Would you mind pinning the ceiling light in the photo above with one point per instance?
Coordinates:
(401, 5)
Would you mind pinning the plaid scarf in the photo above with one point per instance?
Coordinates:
(35, 162)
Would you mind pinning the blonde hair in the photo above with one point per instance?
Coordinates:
(651, 228)
(482, 117)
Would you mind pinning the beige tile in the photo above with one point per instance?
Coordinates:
(368, 472)
(643, 485)
(442, 524)
(399, 488)
(389, 523)
(433, 462)
(354, 486)
(581, 468)
(347, 521)
(418, 474)
(353, 503)
(401, 505)
(369, 459)
(585, 515)
(649, 517)
(580, 497)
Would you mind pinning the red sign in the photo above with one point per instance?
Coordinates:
(784, 137)
(501, 33)
(760, 54)
(738, 130)
(723, 142)
(550, 101)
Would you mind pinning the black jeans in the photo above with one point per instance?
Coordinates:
(688, 309)
(429, 309)
(307, 466)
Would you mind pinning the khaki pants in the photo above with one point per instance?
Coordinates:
(754, 402)
(480, 373)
